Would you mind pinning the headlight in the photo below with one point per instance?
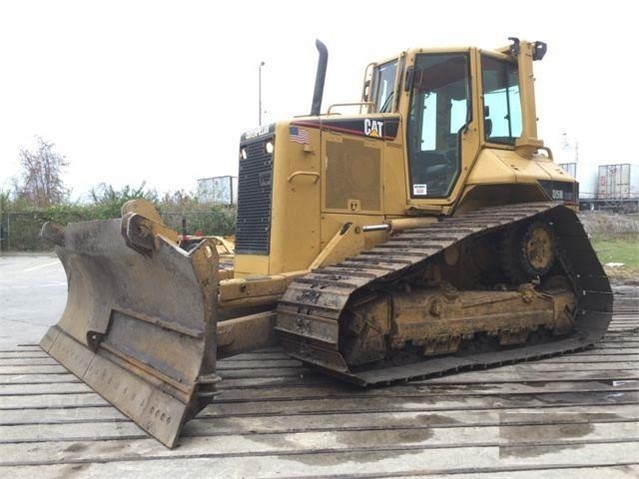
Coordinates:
(269, 147)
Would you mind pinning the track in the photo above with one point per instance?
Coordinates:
(571, 416)
(310, 312)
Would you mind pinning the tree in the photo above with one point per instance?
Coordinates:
(107, 201)
(41, 180)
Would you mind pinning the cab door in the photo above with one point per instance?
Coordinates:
(441, 135)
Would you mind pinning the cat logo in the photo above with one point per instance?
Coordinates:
(374, 128)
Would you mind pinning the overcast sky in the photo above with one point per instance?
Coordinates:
(133, 91)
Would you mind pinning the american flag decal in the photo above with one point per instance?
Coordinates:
(299, 135)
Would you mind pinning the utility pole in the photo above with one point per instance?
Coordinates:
(259, 92)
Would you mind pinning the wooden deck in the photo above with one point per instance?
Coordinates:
(573, 416)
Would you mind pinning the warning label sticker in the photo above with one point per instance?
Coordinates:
(419, 190)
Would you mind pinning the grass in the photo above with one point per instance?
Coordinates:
(619, 249)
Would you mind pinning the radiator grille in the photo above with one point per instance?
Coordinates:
(254, 199)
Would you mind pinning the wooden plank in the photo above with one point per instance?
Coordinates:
(69, 432)
(222, 365)
(585, 363)
(38, 378)
(491, 375)
(28, 361)
(66, 383)
(360, 400)
(332, 388)
(51, 401)
(326, 421)
(318, 386)
(424, 403)
(518, 375)
(29, 369)
(257, 373)
(61, 415)
(46, 388)
(126, 442)
(20, 348)
(594, 353)
(578, 358)
(538, 366)
(626, 471)
(402, 460)
(23, 354)
(259, 364)
(55, 368)
(616, 345)
(508, 379)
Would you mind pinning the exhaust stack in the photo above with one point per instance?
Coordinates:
(319, 78)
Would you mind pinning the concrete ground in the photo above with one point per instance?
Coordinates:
(33, 293)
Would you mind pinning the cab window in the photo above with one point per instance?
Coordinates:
(502, 103)
(384, 86)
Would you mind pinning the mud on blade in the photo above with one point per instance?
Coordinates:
(140, 322)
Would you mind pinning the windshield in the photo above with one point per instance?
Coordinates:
(384, 86)
(502, 105)
(440, 110)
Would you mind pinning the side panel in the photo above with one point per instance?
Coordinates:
(279, 200)
(352, 171)
(355, 172)
(295, 224)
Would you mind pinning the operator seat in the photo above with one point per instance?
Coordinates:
(488, 126)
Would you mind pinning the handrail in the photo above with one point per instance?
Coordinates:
(358, 103)
(304, 173)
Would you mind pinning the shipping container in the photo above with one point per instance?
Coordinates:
(620, 181)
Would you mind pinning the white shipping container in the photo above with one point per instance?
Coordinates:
(620, 181)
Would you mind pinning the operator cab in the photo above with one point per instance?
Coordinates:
(453, 104)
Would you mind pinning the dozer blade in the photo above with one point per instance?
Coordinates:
(140, 321)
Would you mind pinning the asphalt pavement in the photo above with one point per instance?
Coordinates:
(33, 293)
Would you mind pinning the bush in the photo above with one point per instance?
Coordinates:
(212, 220)
(21, 222)
(106, 202)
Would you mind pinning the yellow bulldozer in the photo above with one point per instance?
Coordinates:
(429, 233)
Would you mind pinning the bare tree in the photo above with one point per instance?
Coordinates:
(41, 179)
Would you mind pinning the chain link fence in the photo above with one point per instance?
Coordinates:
(21, 232)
